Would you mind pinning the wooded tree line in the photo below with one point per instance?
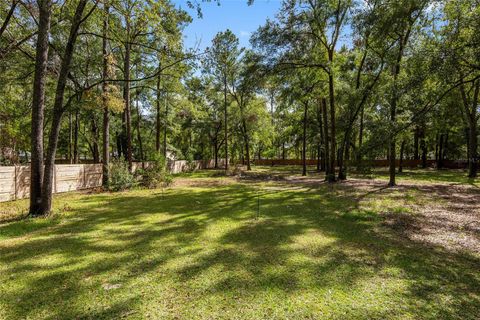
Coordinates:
(340, 81)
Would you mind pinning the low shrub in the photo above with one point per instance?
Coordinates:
(120, 177)
(156, 175)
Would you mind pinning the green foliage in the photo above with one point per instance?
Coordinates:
(191, 165)
(156, 175)
(120, 177)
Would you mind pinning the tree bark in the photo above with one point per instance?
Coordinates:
(402, 149)
(473, 142)
(59, 109)
(216, 153)
(126, 97)
(331, 174)
(360, 135)
(321, 153)
(304, 139)
(38, 107)
(8, 17)
(325, 134)
(416, 134)
(246, 141)
(226, 120)
(76, 129)
(70, 138)
(139, 135)
(95, 136)
(106, 111)
(157, 123)
(440, 152)
(165, 128)
(471, 116)
(423, 145)
(247, 154)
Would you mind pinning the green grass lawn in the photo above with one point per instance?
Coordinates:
(199, 252)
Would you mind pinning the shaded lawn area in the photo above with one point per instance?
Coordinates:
(197, 251)
(429, 175)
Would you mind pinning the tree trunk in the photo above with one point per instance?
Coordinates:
(344, 155)
(165, 128)
(445, 148)
(247, 154)
(319, 158)
(304, 140)
(360, 135)
(59, 109)
(70, 138)
(416, 134)
(106, 111)
(472, 119)
(393, 104)
(119, 144)
(38, 106)
(126, 97)
(246, 141)
(473, 162)
(440, 152)
(139, 135)
(423, 145)
(10, 13)
(331, 174)
(402, 149)
(95, 135)
(216, 152)
(157, 123)
(325, 134)
(76, 129)
(226, 119)
(321, 153)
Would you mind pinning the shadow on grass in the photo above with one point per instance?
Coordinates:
(199, 244)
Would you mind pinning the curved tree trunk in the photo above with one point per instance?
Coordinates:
(59, 109)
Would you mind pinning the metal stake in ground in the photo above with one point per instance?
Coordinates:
(258, 203)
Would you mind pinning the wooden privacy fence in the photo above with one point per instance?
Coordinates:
(15, 181)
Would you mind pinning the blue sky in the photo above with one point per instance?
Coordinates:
(235, 15)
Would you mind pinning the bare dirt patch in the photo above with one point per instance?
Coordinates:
(445, 215)
(451, 219)
(434, 214)
(202, 183)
